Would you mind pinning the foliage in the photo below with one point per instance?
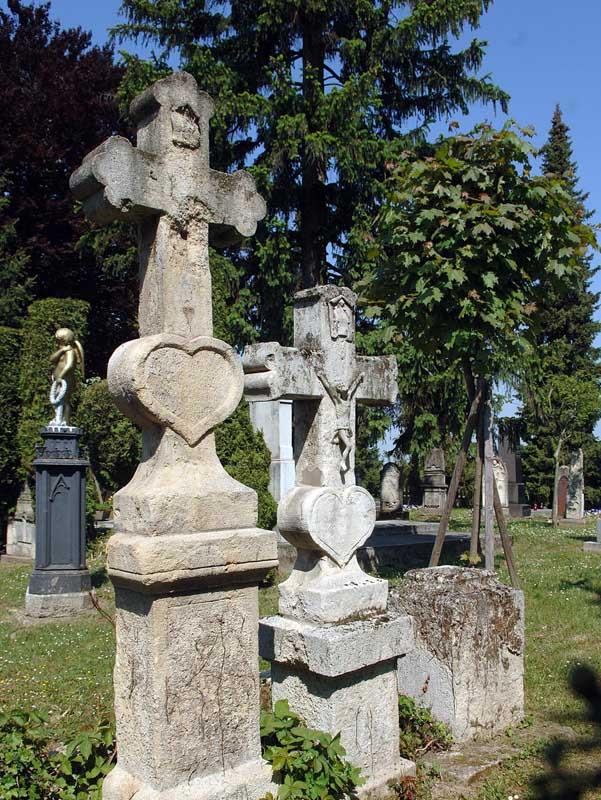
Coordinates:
(10, 348)
(33, 767)
(314, 98)
(60, 91)
(44, 317)
(308, 764)
(24, 768)
(462, 242)
(420, 732)
(562, 781)
(113, 442)
(564, 345)
(245, 456)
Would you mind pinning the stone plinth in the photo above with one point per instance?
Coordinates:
(20, 531)
(468, 661)
(60, 583)
(342, 678)
(274, 419)
(594, 547)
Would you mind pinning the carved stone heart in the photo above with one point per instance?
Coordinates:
(188, 385)
(335, 521)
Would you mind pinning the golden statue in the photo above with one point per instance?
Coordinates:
(64, 362)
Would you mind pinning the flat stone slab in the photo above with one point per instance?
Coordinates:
(592, 547)
(333, 650)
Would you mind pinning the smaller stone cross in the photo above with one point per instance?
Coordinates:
(327, 379)
(326, 514)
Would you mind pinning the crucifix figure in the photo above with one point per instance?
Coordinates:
(342, 397)
(186, 556)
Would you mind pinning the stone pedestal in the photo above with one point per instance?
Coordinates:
(274, 419)
(468, 661)
(342, 678)
(594, 547)
(60, 583)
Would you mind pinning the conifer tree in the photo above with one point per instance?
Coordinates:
(564, 345)
(315, 97)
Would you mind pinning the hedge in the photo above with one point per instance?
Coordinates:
(10, 350)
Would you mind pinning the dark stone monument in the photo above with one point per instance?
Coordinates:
(60, 583)
(509, 453)
(434, 482)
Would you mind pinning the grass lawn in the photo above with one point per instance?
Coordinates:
(65, 668)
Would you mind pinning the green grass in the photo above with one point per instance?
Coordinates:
(65, 668)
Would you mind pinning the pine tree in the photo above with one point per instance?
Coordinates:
(565, 343)
(315, 97)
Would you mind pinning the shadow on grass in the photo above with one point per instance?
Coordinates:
(562, 779)
(586, 585)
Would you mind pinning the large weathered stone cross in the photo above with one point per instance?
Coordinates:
(323, 373)
(166, 186)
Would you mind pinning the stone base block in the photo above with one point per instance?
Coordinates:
(249, 781)
(592, 547)
(342, 679)
(11, 558)
(519, 510)
(66, 604)
(468, 662)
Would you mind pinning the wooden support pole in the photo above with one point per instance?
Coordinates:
(477, 503)
(505, 540)
(489, 482)
(456, 477)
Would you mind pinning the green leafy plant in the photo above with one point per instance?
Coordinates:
(34, 767)
(308, 764)
(420, 731)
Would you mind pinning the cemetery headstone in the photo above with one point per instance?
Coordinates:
(20, 530)
(563, 484)
(501, 476)
(575, 499)
(434, 483)
(332, 648)
(186, 556)
(274, 420)
(60, 584)
(467, 666)
(594, 547)
(391, 493)
(518, 502)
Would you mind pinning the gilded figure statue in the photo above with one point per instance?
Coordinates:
(64, 363)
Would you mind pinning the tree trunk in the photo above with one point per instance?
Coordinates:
(477, 504)
(313, 209)
(489, 483)
(456, 477)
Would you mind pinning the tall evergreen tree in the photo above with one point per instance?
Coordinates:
(565, 345)
(315, 97)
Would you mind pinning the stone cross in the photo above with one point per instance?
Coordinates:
(333, 650)
(186, 556)
(326, 377)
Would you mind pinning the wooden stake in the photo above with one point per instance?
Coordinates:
(505, 540)
(489, 482)
(477, 509)
(456, 477)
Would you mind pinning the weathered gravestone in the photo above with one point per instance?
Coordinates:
(468, 662)
(594, 547)
(391, 493)
(434, 484)
(333, 648)
(509, 453)
(20, 531)
(575, 499)
(501, 476)
(187, 556)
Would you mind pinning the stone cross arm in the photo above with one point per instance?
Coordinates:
(168, 171)
(273, 372)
